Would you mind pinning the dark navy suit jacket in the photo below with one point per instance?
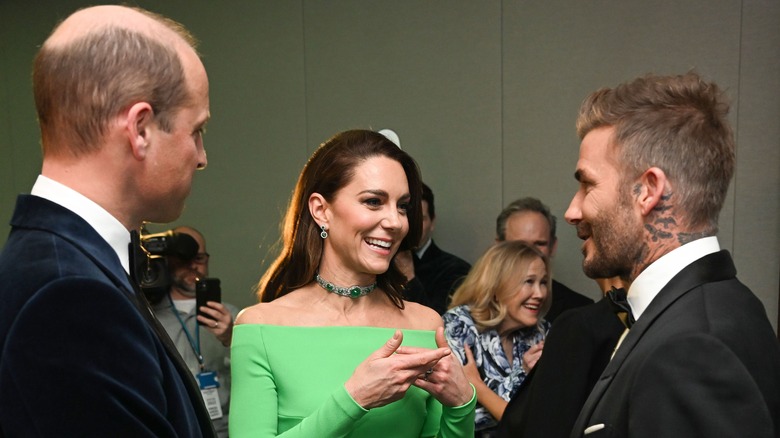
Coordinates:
(77, 355)
(701, 361)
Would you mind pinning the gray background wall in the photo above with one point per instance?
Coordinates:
(483, 94)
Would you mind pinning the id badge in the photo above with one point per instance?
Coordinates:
(209, 382)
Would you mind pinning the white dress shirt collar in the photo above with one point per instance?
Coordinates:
(650, 281)
(107, 226)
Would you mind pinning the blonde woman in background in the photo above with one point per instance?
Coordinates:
(495, 324)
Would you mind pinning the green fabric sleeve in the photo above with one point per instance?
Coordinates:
(336, 417)
(458, 421)
(289, 382)
(253, 410)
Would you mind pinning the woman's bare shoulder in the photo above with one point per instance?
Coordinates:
(286, 310)
(255, 314)
(422, 317)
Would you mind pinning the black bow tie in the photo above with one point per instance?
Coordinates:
(617, 298)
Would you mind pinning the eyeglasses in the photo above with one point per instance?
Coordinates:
(201, 258)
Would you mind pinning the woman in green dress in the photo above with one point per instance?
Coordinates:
(332, 349)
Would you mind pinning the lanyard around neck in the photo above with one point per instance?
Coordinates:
(194, 343)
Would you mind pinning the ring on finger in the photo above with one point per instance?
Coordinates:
(428, 372)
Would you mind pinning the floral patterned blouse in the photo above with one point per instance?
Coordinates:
(498, 374)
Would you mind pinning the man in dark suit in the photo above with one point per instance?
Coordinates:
(656, 158)
(433, 273)
(530, 221)
(122, 98)
(576, 351)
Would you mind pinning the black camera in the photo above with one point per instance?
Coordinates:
(152, 270)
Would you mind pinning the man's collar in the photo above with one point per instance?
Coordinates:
(649, 282)
(107, 226)
(421, 251)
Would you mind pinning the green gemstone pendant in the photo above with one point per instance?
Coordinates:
(351, 292)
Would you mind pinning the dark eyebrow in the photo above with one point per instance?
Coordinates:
(384, 194)
(375, 192)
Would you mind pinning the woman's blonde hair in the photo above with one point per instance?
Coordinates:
(490, 282)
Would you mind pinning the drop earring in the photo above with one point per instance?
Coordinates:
(324, 233)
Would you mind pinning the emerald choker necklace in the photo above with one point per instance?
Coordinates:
(352, 291)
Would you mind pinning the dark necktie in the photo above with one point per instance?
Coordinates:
(137, 256)
(617, 298)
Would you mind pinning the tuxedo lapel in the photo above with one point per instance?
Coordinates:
(713, 267)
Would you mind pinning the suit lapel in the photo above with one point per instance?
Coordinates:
(193, 390)
(33, 212)
(713, 267)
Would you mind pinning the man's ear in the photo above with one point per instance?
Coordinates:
(553, 247)
(318, 207)
(139, 119)
(652, 187)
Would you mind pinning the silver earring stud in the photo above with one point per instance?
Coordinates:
(324, 233)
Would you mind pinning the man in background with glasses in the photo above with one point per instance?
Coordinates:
(204, 346)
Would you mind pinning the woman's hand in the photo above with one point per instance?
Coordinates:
(384, 376)
(446, 381)
(219, 322)
(470, 368)
(485, 396)
(532, 356)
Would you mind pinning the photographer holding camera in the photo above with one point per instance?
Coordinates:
(202, 338)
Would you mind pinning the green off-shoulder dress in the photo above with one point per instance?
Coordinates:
(289, 381)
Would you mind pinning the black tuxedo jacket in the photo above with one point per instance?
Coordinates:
(701, 361)
(576, 351)
(77, 355)
(438, 273)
